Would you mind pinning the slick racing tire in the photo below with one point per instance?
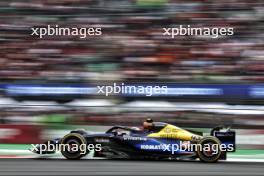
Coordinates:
(74, 146)
(209, 150)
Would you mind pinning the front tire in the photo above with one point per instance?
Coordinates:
(70, 140)
(213, 154)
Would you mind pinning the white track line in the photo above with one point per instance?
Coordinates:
(244, 160)
(15, 152)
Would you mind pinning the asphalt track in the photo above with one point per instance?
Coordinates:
(120, 167)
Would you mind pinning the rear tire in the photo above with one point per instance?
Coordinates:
(77, 140)
(209, 156)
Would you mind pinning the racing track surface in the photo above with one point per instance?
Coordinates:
(119, 167)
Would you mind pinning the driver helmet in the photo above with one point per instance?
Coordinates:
(148, 124)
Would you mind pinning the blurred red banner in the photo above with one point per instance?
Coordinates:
(20, 134)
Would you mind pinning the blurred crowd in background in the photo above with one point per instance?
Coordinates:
(131, 48)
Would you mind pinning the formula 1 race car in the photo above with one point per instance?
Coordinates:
(163, 141)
